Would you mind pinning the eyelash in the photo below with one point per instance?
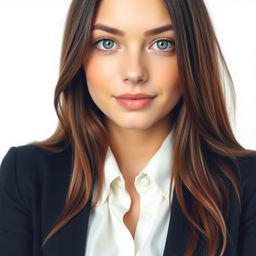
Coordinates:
(109, 38)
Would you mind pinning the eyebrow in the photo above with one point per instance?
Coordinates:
(116, 31)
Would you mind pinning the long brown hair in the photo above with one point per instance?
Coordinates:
(204, 144)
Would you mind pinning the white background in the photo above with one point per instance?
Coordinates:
(31, 34)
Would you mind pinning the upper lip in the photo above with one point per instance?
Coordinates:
(135, 96)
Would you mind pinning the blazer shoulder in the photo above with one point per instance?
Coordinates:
(32, 155)
(30, 164)
(247, 175)
(28, 169)
(247, 167)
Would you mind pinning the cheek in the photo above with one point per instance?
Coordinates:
(170, 79)
(169, 73)
(97, 72)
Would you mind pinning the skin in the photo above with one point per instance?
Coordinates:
(133, 63)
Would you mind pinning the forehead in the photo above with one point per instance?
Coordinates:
(132, 13)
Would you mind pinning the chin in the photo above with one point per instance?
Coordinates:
(135, 126)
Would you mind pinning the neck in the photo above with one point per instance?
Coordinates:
(133, 148)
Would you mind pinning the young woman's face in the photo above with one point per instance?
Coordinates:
(133, 61)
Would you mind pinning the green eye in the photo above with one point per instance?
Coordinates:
(107, 44)
(163, 44)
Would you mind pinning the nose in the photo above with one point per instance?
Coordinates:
(134, 69)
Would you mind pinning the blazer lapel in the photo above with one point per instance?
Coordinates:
(177, 231)
(71, 239)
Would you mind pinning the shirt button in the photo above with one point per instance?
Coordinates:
(148, 214)
(145, 181)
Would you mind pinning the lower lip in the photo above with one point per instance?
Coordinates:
(135, 104)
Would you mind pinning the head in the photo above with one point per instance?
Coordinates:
(130, 54)
(180, 66)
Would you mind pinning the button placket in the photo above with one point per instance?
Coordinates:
(148, 207)
(143, 183)
(150, 197)
(148, 214)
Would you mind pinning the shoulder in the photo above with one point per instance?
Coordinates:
(29, 155)
(245, 170)
(32, 177)
(30, 164)
(247, 174)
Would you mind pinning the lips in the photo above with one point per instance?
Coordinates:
(135, 96)
(135, 101)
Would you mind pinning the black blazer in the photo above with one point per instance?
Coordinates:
(33, 186)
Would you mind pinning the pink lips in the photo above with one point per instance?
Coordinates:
(135, 101)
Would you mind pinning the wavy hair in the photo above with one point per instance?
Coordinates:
(204, 144)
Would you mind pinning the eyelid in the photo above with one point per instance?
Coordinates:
(155, 40)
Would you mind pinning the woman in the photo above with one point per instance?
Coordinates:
(143, 161)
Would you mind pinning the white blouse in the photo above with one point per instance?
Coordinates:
(107, 234)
